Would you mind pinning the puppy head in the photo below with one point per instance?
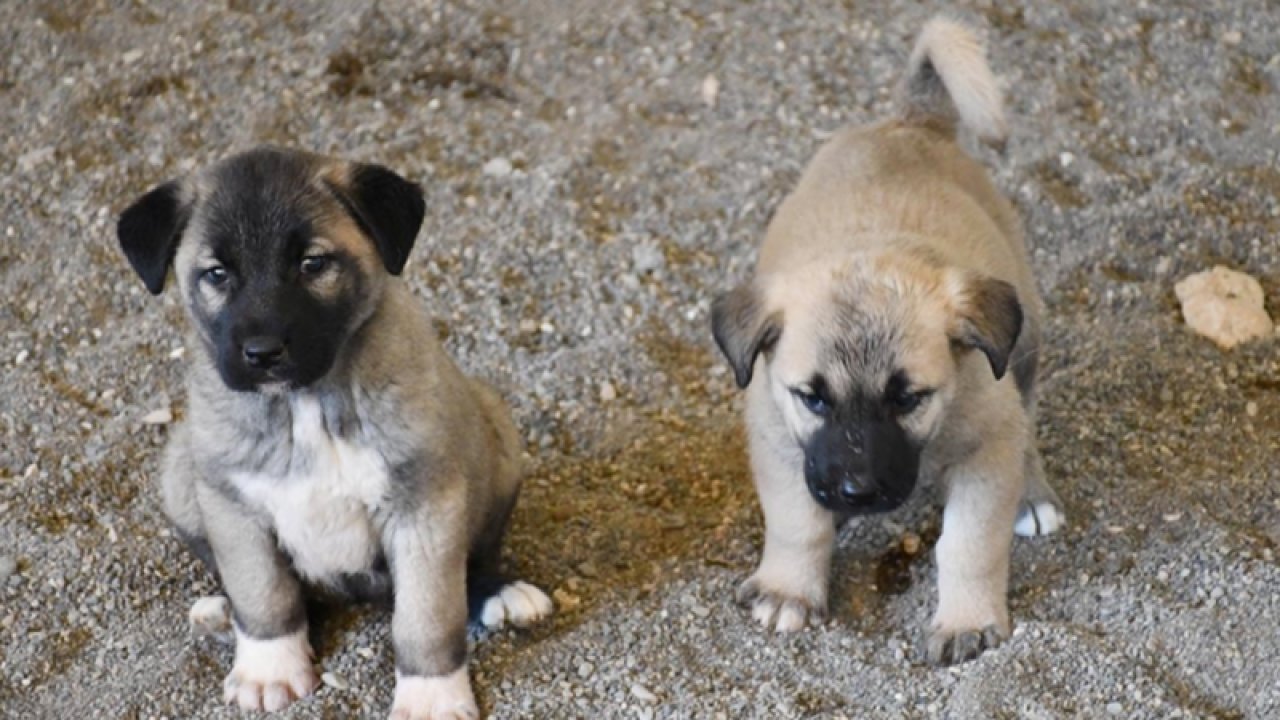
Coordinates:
(863, 360)
(280, 257)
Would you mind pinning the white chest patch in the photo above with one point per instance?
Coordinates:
(322, 510)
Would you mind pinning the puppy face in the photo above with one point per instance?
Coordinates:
(862, 362)
(280, 257)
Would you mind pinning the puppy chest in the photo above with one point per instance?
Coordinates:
(322, 507)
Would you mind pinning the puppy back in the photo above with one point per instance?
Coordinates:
(948, 82)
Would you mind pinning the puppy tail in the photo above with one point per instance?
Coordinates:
(948, 82)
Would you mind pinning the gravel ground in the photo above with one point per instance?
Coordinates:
(589, 191)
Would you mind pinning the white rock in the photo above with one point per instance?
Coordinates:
(8, 566)
(162, 416)
(32, 158)
(1225, 306)
(710, 91)
(647, 257)
(334, 680)
(643, 694)
(608, 393)
(498, 167)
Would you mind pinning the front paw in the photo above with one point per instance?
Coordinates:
(779, 609)
(270, 674)
(444, 697)
(952, 645)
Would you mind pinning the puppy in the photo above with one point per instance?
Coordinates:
(890, 336)
(329, 440)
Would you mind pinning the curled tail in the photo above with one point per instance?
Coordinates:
(948, 82)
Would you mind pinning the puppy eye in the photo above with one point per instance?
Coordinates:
(215, 276)
(904, 401)
(812, 401)
(315, 264)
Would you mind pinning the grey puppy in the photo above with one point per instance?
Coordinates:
(329, 440)
(890, 335)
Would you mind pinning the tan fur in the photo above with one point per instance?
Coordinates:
(893, 232)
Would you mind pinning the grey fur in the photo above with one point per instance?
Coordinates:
(895, 260)
(451, 454)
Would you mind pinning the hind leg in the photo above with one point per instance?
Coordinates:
(493, 598)
(1040, 512)
(210, 615)
(178, 479)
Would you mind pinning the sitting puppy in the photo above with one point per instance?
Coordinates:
(892, 331)
(329, 439)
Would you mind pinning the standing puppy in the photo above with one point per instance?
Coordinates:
(891, 335)
(329, 440)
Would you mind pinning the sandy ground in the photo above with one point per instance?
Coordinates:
(585, 204)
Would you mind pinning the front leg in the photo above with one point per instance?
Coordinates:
(973, 554)
(789, 588)
(427, 550)
(273, 656)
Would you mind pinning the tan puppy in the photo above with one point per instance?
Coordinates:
(891, 335)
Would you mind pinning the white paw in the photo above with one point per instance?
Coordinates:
(779, 610)
(211, 615)
(270, 674)
(518, 603)
(444, 697)
(1040, 518)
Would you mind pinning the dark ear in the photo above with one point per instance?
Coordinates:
(742, 330)
(990, 318)
(149, 230)
(388, 208)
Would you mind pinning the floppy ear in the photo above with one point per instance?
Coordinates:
(149, 230)
(388, 208)
(989, 318)
(742, 330)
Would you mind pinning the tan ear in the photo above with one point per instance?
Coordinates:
(988, 318)
(743, 330)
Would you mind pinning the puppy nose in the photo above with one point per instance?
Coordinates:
(856, 494)
(263, 351)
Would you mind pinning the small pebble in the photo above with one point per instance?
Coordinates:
(1114, 708)
(8, 566)
(608, 393)
(911, 543)
(334, 680)
(710, 91)
(1225, 306)
(643, 694)
(585, 670)
(498, 167)
(162, 416)
(647, 257)
(565, 600)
